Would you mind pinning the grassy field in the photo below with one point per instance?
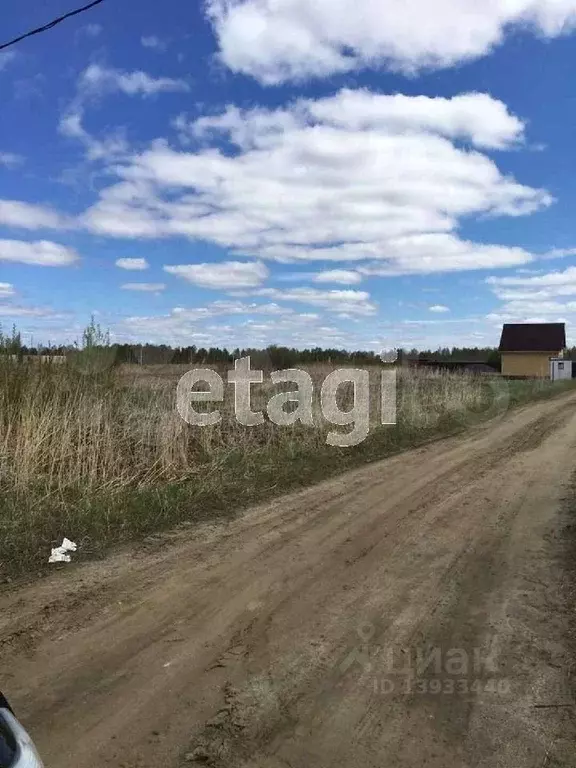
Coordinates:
(103, 458)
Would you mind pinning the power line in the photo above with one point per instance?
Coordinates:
(51, 24)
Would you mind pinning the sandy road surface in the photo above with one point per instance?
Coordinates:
(292, 636)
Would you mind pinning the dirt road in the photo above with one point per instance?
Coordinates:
(298, 635)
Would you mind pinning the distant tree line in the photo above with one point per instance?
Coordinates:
(488, 355)
(274, 356)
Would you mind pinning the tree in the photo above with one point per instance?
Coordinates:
(95, 355)
(94, 337)
(11, 344)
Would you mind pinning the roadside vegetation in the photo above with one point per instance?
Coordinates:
(96, 451)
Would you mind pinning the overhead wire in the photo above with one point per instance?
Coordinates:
(50, 24)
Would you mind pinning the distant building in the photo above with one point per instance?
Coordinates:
(526, 348)
(35, 358)
(561, 369)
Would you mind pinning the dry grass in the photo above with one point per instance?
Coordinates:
(103, 457)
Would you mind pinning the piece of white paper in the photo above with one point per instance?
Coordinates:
(60, 554)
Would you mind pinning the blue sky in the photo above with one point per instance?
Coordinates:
(312, 172)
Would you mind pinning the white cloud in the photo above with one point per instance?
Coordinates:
(295, 39)
(92, 30)
(144, 287)
(531, 313)
(184, 326)
(15, 213)
(439, 252)
(153, 42)
(343, 276)
(108, 148)
(136, 264)
(10, 159)
(13, 310)
(440, 322)
(343, 302)
(42, 252)
(97, 81)
(528, 296)
(476, 117)
(6, 289)
(381, 177)
(223, 275)
(439, 308)
(553, 283)
(5, 58)
(231, 307)
(559, 253)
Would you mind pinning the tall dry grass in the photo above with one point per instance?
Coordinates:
(102, 456)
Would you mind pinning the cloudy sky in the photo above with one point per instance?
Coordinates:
(349, 173)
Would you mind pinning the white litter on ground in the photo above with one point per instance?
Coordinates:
(60, 554)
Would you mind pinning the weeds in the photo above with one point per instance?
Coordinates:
(100, 455)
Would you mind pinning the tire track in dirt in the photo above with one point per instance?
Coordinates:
(259, 642)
